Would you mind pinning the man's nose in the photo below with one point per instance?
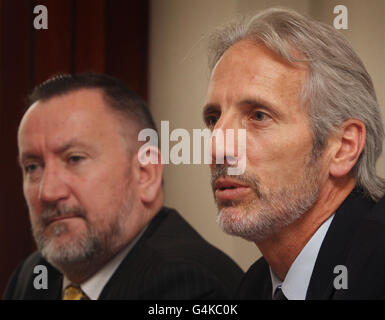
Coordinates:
(224, 143)
(53, 186)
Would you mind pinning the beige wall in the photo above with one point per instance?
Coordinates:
(179, 77)
(366, 33)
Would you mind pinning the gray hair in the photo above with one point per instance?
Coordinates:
(338, 86)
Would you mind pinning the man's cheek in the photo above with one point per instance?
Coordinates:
(31, 192)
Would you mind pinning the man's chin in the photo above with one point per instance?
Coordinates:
(233, 220)
(64, 240)
(243, 222)
(63, 232)
(67, 250)
(59, 242)
(231, 214)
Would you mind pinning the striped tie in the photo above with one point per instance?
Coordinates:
(73, 292)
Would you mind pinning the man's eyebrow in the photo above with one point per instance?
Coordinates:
(26, 156)
(72, 143)
(255, 103)
(262, 104)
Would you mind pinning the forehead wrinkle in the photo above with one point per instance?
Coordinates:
(72, 143)
(285, 79)
(38, 133)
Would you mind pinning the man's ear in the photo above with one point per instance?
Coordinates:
(349, 143)
(150, 173)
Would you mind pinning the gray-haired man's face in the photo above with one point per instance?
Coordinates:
(252, 88)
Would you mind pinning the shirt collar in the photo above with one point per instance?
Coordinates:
(94, 285)
(297, 279)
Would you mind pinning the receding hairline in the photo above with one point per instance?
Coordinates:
(301, 61)
(108, 102)
(71, 91)
(128, 126)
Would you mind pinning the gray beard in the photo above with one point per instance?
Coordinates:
(73, 258)
(85, 253)
(270, 211)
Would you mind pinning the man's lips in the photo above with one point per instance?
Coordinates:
(59, 218)
(227, 189)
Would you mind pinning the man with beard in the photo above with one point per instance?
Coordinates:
(96, 207)
(309, 197)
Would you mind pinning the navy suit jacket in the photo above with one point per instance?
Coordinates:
(355, 239)
(170, 261)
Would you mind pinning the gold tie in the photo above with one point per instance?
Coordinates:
(73, 292)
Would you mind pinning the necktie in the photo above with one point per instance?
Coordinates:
(278, 294)
(73, 292)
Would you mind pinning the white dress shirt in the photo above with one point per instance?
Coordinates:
(297, 279)
(94, 285)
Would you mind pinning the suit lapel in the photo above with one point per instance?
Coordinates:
(336, 244)
(264, 281)
(256, 283)
(56, 292)
(268, 289)
(122, 284)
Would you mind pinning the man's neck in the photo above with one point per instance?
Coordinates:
(281, 250)
(80, 273)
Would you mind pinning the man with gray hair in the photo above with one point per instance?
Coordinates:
(310, 197)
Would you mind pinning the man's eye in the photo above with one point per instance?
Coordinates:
(75, 159)
(211, 121)
(30, 168)
(260, 116)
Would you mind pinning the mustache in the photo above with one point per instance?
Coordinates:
(220, 171)
(54, 211)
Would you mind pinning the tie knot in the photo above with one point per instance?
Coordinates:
(74, 292)
(278, 294)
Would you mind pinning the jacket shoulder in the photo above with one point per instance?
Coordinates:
(256, 284)
(366, 260)
(172, 261)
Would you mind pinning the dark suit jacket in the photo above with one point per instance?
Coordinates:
(170, 261)
(355, 239)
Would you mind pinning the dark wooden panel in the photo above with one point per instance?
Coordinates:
(82, 35)
(89, 36)
(15, 81)
(53, 47)
(127, 42)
